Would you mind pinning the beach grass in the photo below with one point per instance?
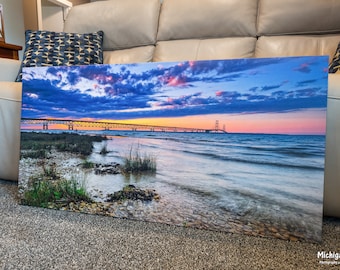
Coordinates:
(63, 142)
(35, 154)
(49, 187)
(104, 150)
(86, 164)
(136, 162)
(50, 171)
(43, 192)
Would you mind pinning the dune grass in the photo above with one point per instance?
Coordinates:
(49, 188)
(37, 144)
(136, 162)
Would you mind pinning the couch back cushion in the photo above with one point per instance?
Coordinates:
(297, 28)
(126, 24)
(206, 29)
(187, 19)
(281, 17)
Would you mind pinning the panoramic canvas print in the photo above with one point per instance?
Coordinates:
(226, 145)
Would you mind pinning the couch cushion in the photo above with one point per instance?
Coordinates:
(281, 17)
(187, 19)
(278, 46)
(9, 69)
(46, 48)
(133, 55)
(196, 49)
(10, 112)
(126, 24)
(332, 168)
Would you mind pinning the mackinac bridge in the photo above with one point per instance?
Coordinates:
(45, 124)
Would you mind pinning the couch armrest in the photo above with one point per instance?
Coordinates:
(9, 69)
(332, 168)
(10, 113)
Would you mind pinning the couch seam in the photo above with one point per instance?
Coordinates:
(198, 48)
(10, 99)
(333, 97)
(257, 19)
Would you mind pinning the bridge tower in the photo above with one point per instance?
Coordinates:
(217, 125)
(45, 125)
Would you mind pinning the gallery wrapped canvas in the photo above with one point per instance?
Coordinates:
(227, 145)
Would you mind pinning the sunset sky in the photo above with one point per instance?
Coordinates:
(269, 95)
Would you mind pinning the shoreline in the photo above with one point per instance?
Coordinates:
(157, 211)
(145, 211)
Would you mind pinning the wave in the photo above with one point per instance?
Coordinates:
(248, 197)
(298, 151)
(274, 162)
(241, 201)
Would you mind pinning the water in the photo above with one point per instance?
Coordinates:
(257, 177)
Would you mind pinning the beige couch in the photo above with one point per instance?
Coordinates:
(148, 30)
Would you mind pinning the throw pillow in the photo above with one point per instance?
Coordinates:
(46, 48)
(334, 65)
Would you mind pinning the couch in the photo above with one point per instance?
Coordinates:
(175, 30)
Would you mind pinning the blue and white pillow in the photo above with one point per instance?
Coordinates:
(47, 48)
(334, 65)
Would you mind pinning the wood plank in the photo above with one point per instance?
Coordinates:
(9, 51)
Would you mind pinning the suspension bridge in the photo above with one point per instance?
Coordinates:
(82, 124)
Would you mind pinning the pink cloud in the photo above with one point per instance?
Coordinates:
(219, 93)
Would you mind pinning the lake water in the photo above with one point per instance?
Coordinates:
(270, 178)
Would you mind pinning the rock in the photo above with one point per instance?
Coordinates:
(130, 192)
(111, 168)
(130, 208)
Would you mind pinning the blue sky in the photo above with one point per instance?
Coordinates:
(176, 89)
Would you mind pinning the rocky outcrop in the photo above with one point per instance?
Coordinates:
(130, 192)
(111, 168)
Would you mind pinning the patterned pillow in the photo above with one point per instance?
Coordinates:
(46, 48)
(334, 66)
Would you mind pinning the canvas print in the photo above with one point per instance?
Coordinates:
(226, 145)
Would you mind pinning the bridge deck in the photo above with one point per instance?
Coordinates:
(80, 124)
